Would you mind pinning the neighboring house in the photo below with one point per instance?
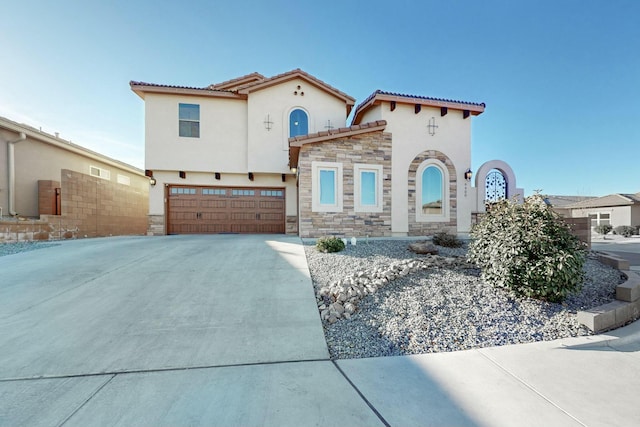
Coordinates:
(59, 189)
(560, 203)
(259, 155)
(614, 209)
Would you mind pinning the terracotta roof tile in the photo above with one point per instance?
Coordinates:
(228, 84)
(292, 74)
(337, 133)
(462, 105)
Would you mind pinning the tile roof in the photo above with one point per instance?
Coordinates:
(298, 141)
(337, 133)
(238, 81)
(242, 86)
(475, 107)
(134, 83)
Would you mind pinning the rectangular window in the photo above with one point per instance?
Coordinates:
(243, 192)
(214, 191)
(271, 193)
(367, 188)
(182, 190)
(327, 187)
(99, 172)
(123, 179)
(189, 120)
(326, 183)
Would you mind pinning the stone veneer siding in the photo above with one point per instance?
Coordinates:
(369, 148)
(429, 228)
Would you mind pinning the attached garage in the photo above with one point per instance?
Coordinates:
(211, 210)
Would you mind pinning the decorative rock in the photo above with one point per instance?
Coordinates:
(423, 248)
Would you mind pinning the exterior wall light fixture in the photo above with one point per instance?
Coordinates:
(152, 181)
(468, 174)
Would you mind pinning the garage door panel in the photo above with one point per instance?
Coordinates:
(275, 204)
(214, 204)
(225, 210)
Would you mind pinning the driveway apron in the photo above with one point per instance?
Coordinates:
(140, 304)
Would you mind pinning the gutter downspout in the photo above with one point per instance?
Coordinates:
(11, 168)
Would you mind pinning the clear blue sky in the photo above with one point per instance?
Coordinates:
(561, 78)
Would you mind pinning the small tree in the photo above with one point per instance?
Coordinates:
(528, 249)
(603, 229)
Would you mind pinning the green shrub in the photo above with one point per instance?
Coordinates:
(330, 244)
(603, 229)
(528, 249)
(625, 230)
(447, 240)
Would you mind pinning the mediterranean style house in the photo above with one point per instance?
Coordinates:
(51, 188)
(261, 154)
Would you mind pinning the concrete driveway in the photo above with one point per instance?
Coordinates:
(140, 304)
(192, 325)
(224, 331)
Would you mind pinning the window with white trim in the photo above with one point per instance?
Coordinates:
(326, 183)
(298, 123)
(432, 192)
(600, 218)
(189, 120)
(99, 172)
(367, 191)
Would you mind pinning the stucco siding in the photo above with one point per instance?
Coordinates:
(37, 160)
(411, 137)
(268, 149)
(221, 147)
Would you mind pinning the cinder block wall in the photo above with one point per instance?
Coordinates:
(101, 207)
(371, 148)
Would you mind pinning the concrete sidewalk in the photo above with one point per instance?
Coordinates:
(223, 330)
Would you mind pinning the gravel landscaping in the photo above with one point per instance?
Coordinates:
(17, 247)
(440, 304)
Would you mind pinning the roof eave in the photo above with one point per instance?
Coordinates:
(140, 90)
(378, 98)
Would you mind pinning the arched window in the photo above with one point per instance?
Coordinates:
(432, 191)
(298, 123)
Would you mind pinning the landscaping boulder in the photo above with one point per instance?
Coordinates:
(423, 248)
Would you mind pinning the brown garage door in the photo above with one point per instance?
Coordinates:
(206, 210)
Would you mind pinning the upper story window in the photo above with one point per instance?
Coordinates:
(99, 172)
(189, 120)
(298, 123)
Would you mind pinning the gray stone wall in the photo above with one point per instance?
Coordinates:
(370, 148)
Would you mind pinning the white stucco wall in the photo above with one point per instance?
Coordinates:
(410, 138)
(268, 150)
(372, 114)
(165, 178)
(221, 147)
